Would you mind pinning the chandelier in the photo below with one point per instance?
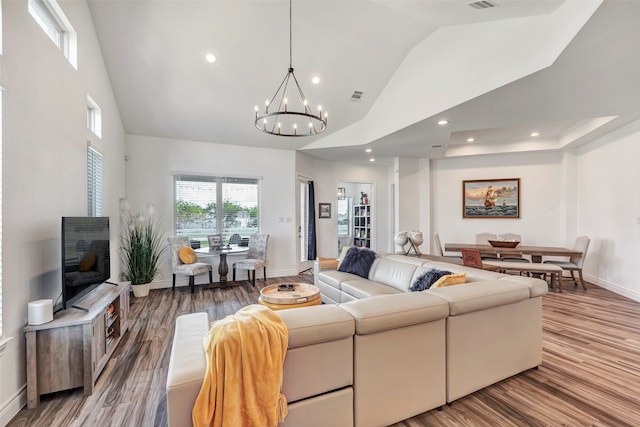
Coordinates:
(290, 115)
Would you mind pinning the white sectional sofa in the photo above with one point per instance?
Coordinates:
(376, 354)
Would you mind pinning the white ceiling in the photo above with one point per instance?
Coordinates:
(496, 74)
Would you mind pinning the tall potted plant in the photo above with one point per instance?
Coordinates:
(141, 248)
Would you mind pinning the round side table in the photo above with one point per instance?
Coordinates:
(302, 295)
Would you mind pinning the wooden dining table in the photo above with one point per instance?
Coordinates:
(536, 252)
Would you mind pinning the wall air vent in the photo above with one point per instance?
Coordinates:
(483, 4)
(357, 94)
(437, 146)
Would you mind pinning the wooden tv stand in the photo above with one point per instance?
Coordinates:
(72, 349)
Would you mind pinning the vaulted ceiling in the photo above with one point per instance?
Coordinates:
(568, 70)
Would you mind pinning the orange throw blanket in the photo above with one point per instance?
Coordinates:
(245, 353)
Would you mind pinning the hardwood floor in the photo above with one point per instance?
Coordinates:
(590, 375)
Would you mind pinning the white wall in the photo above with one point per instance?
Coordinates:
(608, 206)
(44, 165)
(326, 176)
(543, 197)
(594, 192)
(151, 162)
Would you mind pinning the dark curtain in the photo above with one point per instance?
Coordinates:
(311, 224)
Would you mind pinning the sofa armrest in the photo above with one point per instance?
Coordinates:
(317, 324)
(386, 312)
(187, 366)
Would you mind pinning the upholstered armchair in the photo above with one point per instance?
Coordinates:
(190, 268)
(256, 258)
(437, 245)
(575, 263)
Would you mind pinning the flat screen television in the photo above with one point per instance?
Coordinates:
(86, 260)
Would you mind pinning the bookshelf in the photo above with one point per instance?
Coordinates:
(362, 226)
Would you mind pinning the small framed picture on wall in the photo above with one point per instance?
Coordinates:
(324, 210)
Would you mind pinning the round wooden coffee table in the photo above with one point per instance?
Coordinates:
(302, 295)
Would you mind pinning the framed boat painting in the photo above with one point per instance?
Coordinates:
(491, 198)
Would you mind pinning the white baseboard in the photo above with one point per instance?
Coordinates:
(13, 406)
(620, 290)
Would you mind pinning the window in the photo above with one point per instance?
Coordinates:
(207, 205)
(94, 117)
(94, 182)
(49, 15)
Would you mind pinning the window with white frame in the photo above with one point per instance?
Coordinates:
(48, 14)
(94, 117)
(206, 205)
(94, 182)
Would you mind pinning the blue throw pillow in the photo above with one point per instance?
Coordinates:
(427, 279)
(358, 261)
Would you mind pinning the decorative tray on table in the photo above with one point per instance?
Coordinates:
(504, 243)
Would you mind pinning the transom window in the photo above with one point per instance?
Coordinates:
(49, 15)
(94, 117)
(206, 205)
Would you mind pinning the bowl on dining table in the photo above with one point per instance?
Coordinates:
(504, 243)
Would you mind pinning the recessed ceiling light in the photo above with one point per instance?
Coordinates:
(443, 122)
(470, 139)
(368, 150)
(534, 134)
(315, 80)
(210, 57)
(372, 159)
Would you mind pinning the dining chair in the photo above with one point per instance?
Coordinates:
(483, 239)
(575, 263)
(256, 258)
(437, 244)
(187, 269)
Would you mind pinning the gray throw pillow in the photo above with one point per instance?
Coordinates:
(427, 279)
(358, 261)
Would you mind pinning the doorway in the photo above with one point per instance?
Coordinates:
(302, 202)
(355, 213)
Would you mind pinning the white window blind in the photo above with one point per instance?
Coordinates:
(206, 205)
(94, 182)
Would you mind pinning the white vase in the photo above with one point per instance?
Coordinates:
(400, 240)
(141, 290)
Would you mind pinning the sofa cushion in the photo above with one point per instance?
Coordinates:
(392, 273)
(426, 279)
(364, 288)
(450, 279)
(334, 278)
(481, 295)
(357, 261)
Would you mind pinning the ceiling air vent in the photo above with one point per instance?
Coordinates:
(357, 94)
(483, 4)
(437, 146)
